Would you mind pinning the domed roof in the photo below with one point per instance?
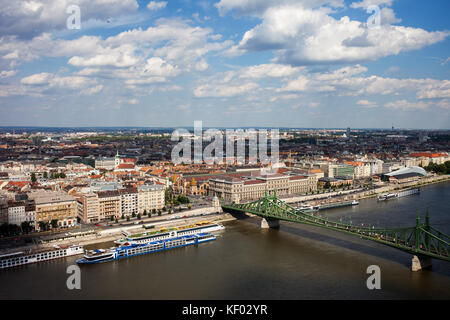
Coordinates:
(413, 169)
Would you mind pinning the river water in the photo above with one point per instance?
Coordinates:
(247, 262)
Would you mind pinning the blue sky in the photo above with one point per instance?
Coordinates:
(286, 63)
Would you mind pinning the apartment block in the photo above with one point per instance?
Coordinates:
(88, 207)
(109, 203)
(150, 197)
(129, 201)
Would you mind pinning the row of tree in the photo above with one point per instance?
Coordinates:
(8, 230)
(443, 168)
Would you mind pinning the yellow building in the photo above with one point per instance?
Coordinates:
(55, 206)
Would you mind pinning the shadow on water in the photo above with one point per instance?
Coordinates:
(353, 243)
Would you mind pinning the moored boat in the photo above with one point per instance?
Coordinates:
(115, 253)
(163, 233)
(21, 258)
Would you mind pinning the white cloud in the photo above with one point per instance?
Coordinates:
(259, 6)
(115, 58)
(202, 65)
(299, 84)
(7, 73)
(268, 70)
(367, 3)
(302, 36)
(407, 105)
(44, 82)
(37, 79)
(154, 5)
(366, 103)
(29, 18)
(387, 16)
(223, 90)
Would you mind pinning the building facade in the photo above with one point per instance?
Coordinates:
(129, 201)
(150, 197)
(254, 187)
(88, 207)
(109, 203)
(52, 205)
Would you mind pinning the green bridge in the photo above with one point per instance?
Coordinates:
(422, 240)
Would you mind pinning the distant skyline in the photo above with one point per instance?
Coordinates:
(247, 63)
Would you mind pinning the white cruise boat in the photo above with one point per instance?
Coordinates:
(163, 234)
(20, 258)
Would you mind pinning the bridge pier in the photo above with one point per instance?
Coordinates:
(420, 262)
(270, 223)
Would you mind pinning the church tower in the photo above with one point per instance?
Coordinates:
(117, 160)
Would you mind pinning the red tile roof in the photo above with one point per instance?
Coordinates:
(126, 166)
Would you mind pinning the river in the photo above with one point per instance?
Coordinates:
(247, 262)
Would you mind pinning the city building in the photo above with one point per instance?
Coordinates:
(109, 203)
(254, 185)
(16, 212)
(105, 163)
(51, 205)
(129, 201)
(88, 207)
(340, 170)
(150, 197)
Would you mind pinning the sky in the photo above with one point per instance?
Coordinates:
(228, 63)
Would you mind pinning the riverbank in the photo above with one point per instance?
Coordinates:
(357, 194)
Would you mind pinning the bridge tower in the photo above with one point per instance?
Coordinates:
(420, 262)
(269, 222)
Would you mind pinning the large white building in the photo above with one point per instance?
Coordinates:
(16, 213)
(129, 201)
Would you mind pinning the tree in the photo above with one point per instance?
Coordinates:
(133, 214)
(62, 175)
(139, 216)
(44, 226)
(182, 199)
(145, 212)
(26, 227)
(112, 218)
(45, 175)
(54, 223)
(159, 213)
(33, 177)
(128, 218)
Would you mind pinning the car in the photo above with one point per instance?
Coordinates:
(97, 225)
